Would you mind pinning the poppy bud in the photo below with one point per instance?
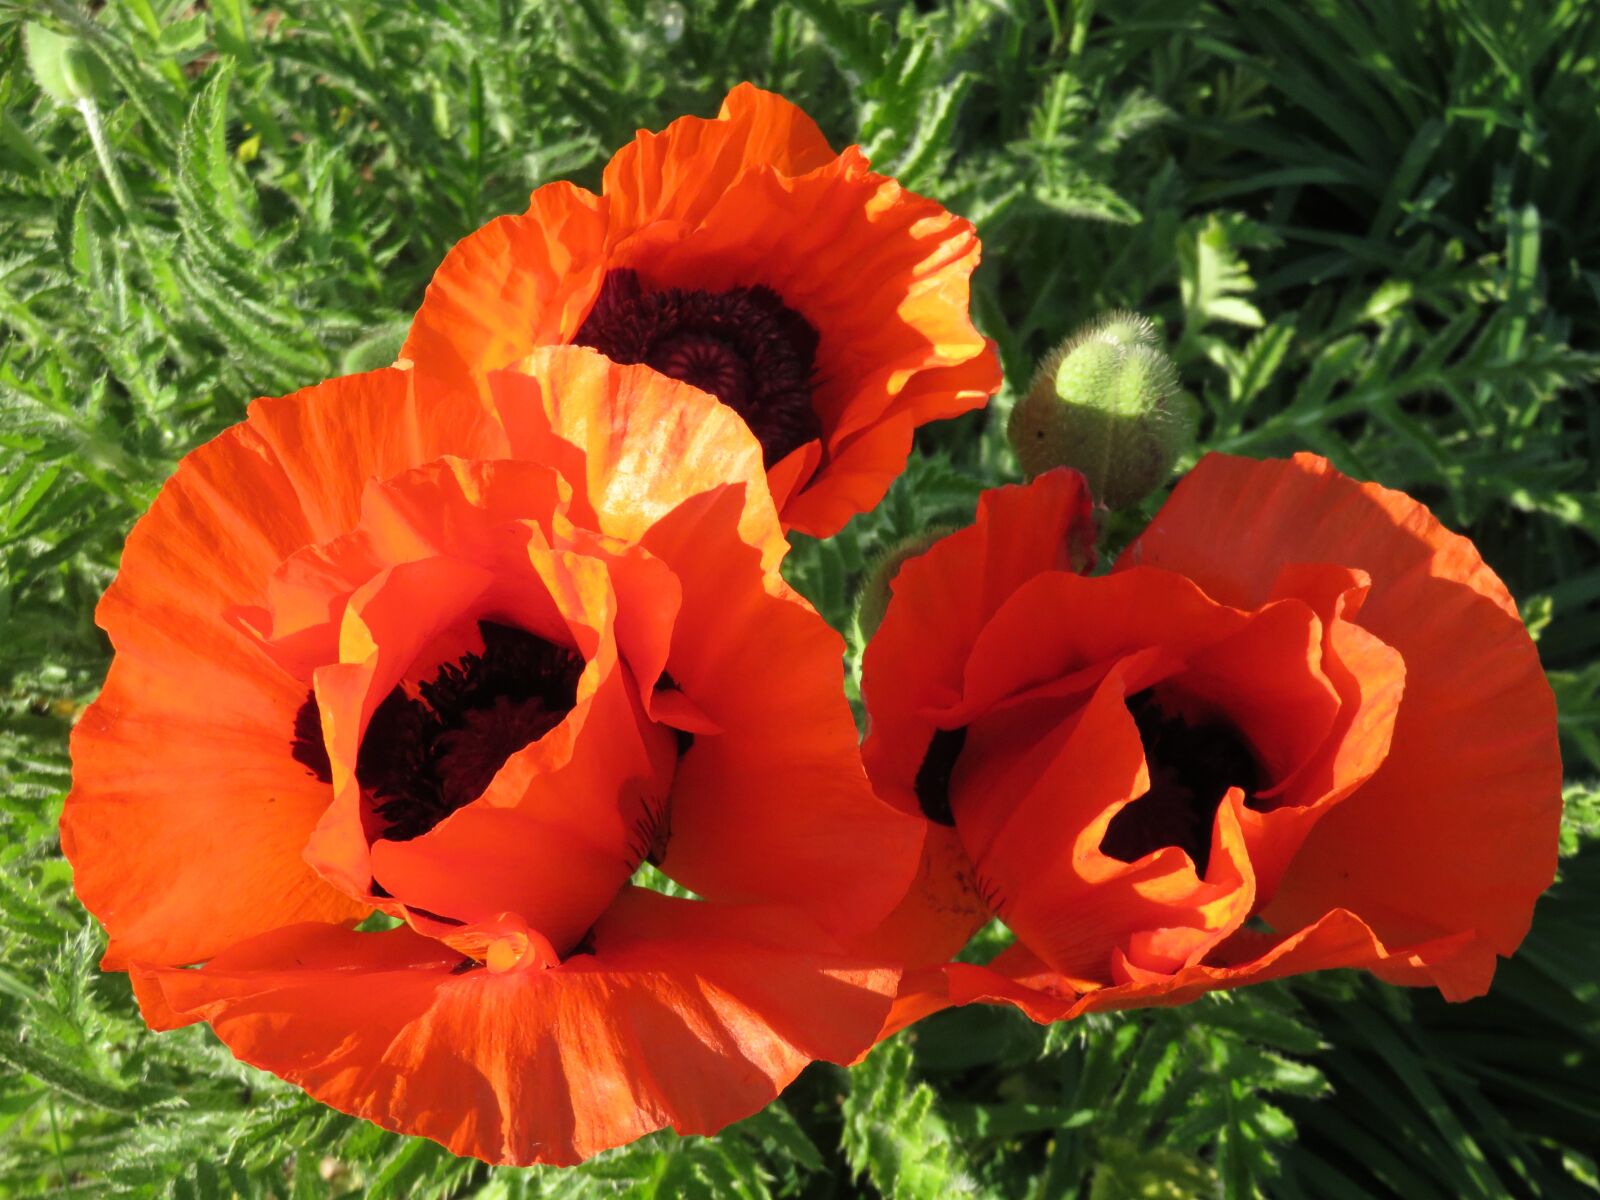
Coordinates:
(874, 597)
(64, 68)
(1106, 402)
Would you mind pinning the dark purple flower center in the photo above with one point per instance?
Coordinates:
(743, 345)
(933, 776)
(1192, 766)
(424, 757)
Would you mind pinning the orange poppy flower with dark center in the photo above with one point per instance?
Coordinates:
(423, 757)
(823, 303)
(383, 649)
(1298, 726)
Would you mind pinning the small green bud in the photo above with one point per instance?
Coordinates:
(64, 68)
(1106, 402)
(873, 600)
(379, 348)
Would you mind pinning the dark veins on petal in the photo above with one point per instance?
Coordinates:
(743, 345)
(1191, 769)
(424, 757)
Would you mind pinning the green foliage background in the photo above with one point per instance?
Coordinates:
(1368, 228)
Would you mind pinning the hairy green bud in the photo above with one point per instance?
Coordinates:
(873, 600)
(64, 68)
(1106, 402)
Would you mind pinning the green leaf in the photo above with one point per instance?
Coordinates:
(893, 1132)
(183, 38)
(1214, 276)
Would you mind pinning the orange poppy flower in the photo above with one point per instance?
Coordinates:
(1298, 726)
(382, 649)
(822, 302)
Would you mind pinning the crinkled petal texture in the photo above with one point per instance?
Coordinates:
(695, 217)
(1299, 726)
(684, 1014)
(469, 660)
(180, 772)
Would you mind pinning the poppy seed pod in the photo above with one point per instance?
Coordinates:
(1106, 403)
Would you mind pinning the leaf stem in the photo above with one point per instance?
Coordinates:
(55, 1137)
(90, 111)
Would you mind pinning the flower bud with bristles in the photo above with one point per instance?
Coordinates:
(873, 600)
(1106, 402)
(65, 68)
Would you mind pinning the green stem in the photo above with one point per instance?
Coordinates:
(55, 1136)
(90, 112)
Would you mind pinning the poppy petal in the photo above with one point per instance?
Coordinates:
(518, 282)
(1058, 624)
(330, 440)
(863, 465)
(880, 273)
(860, 474)
(146, 856)
(388, 623)
(817, 837)
(680, 173)
(656, 443)
(1370, 679)
(752, 208)
(1276, 513)
(686, 1014)
(944, 598)
(190, 697)
(1458, 965)
(549, 842)
(940, 912)
(1033, 807)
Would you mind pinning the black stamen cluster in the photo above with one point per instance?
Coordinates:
(933, 776)
(1191, 769)
(743, 345)
(424, 757)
